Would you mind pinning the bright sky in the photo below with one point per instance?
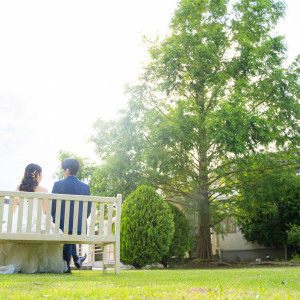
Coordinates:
(64, 63)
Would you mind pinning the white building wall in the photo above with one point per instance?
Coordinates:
(235, 241)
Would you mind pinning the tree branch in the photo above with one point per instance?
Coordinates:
(255, 170)
(181, 203)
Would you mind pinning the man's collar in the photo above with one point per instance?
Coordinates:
(71, 177)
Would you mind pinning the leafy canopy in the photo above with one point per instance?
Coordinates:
(214, 95)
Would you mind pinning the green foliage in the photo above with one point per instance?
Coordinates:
(213, 96)
(293, 236)
(268, 204)
(86, 167)
(181, 240)
(117, 145)
(295, 259)
(147, 228)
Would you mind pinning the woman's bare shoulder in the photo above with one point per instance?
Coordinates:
(40, 189)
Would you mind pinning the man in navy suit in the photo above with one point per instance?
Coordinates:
(70, 185)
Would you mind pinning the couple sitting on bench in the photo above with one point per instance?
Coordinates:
(45, 257)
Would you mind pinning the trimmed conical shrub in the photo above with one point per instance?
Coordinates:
(147, 228)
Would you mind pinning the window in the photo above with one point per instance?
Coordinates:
(229, 225)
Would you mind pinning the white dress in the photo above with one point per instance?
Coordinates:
(30, 258)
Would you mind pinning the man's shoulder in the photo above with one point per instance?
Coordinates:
(85, 186)
(58, 186)
(71, 186)
(59, 182)
(75, 180)
(68, 180)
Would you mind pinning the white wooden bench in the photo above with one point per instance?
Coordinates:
(106, 206)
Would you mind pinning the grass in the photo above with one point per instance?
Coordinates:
(251, 283)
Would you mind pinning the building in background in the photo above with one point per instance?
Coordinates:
(232, 246)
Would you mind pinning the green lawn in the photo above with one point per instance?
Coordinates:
(254, 283)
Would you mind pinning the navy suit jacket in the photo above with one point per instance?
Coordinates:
(73, 186)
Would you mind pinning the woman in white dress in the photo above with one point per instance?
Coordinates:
(35, 257)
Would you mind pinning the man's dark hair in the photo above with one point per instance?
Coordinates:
(71, 164)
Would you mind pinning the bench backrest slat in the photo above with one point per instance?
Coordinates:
(48, 216)
(101, 219)
(57, 218)
(20, 214)
(93, 217)
(29, 215)
(10, 215)
(39, 216)
(109, 218)
(84, 217)
(67, 213)
(75, 217)
(1, 211)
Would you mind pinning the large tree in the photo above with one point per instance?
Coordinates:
(213, 96)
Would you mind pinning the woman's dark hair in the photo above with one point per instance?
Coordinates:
(71, 164)
(30, 176)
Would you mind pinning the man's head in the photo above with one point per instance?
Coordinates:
(70, 167)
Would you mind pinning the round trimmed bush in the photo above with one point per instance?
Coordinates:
(181, 240)
(147, 228)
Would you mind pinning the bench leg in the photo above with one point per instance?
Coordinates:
(117, 256)
(104, 259)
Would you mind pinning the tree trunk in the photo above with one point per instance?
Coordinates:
(204, 246)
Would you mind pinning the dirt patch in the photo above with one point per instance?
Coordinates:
(273, 263)
(200, 265)
(221, 264)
